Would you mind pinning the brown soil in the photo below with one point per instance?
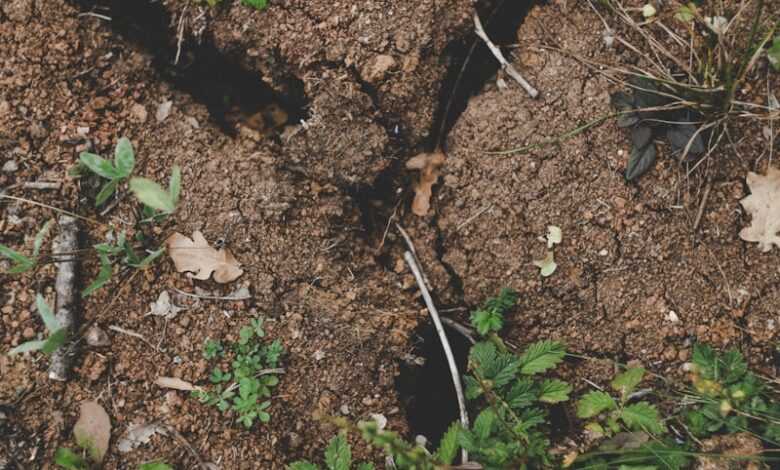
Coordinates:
(306, 210)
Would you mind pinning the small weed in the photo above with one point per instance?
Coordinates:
(338, 456)
(115, 173)
(155, 466)
(70, 460)
(57, 334)
(24, 263)
(253, 371)
(256, 4)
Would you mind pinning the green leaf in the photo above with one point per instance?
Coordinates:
(46, 313)
(106, 192)
(734, 366)
(483, 425)
(124, 157)
(338, 455)
(257, 4)
(685, 13)
(155, 466)
(152, 194)
(642, 416)
(149, 258)
(773, 54)
(68, 459)
(22, 263)
(40, 236)
(302, 465)
(174, 187)
(554, 391)
(99, 166)
(594, 403)
(25, 347)
(541, 356)
(365, 466)
(106, 269)
(54, 341)
(626, 382)
(486, 321)
(448, 447)
(706, 361)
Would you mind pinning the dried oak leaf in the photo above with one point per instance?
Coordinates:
(93, 430)
(196, 256)
(428, 165)
(764, 205)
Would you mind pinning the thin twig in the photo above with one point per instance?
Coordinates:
(413, 250)
(464, 417)
(42, 185)
(96, 15)
(505, 65)
(467, 332)
(473, 217)
(132, 333)
(212, 297)
(56, 209)
(177, 435)
(65, 286)
(181, 35)
(704, 197)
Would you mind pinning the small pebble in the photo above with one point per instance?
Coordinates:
(28, 333)
(97, 337)
(10, 166)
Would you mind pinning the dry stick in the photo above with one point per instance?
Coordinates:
(212, 297)
(704, 197)
(65, 286)
(505, 65)
(464, 417)
(43, 185)
(414, 252)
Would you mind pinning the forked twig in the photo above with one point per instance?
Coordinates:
(464, 417)
(505, 65)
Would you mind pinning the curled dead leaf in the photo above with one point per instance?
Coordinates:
(763, 205)
(138, 434)
(176, 384)
(428, 164)
(93, 430)
(196, 256)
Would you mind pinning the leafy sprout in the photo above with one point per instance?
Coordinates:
(115, 172)
(24, 263)
(57, 333)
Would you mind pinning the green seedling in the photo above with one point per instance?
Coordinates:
(256, 4)
(155, 466)
(115, 173)
(57, 334)
(155, 197)
(338, 456)
(253, 371)
(490, 318)
(70, 460)
(773, 53)
(123, 252)
(24, 263)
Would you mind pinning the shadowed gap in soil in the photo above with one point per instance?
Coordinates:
(230, 92)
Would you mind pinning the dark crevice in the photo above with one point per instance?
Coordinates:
(232, 93)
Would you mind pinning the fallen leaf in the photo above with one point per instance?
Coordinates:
(196, 256)
(163, 111)
(547, 265)
(176, 384)
(93, 430)
(428, 164)
(763, 205)
(554, 235)
(138, 434)
(163, 307)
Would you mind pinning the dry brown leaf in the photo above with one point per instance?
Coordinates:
(93, 430)
(763, 204)
(138, 434)
(196, 256)
(176, 384)
(428, 164)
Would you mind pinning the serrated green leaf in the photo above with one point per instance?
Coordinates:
(54, 341)
(595, 428)
(46, 313)
(106, 269)
(174, 186)
(69, 460)
(486, 321)
(301, 465)
(38, 243)
(483, 425)
(507, 367)
(733, 366)
(554, 391)
(593, 403)
(448, 447)
(626, 382)
(25, 347)
(642, 416)
(99, 165)
(155, 466)
(706, 361)
(152, 194)
(365, 466)
(338, 455)
(124, 157)
(106, 192)
(541, 356)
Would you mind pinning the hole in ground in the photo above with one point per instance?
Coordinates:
(426, 390)
(231, 93)
(501, 20)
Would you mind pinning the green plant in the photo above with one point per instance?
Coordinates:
(728, 398)
(24, 263)
(70, 460)
(773, 53)
(155, 466)
(490, 318)
(253, 371)
(338, 456)
(155, 197)
(115, 173)
(257, 4)
(57, 334)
